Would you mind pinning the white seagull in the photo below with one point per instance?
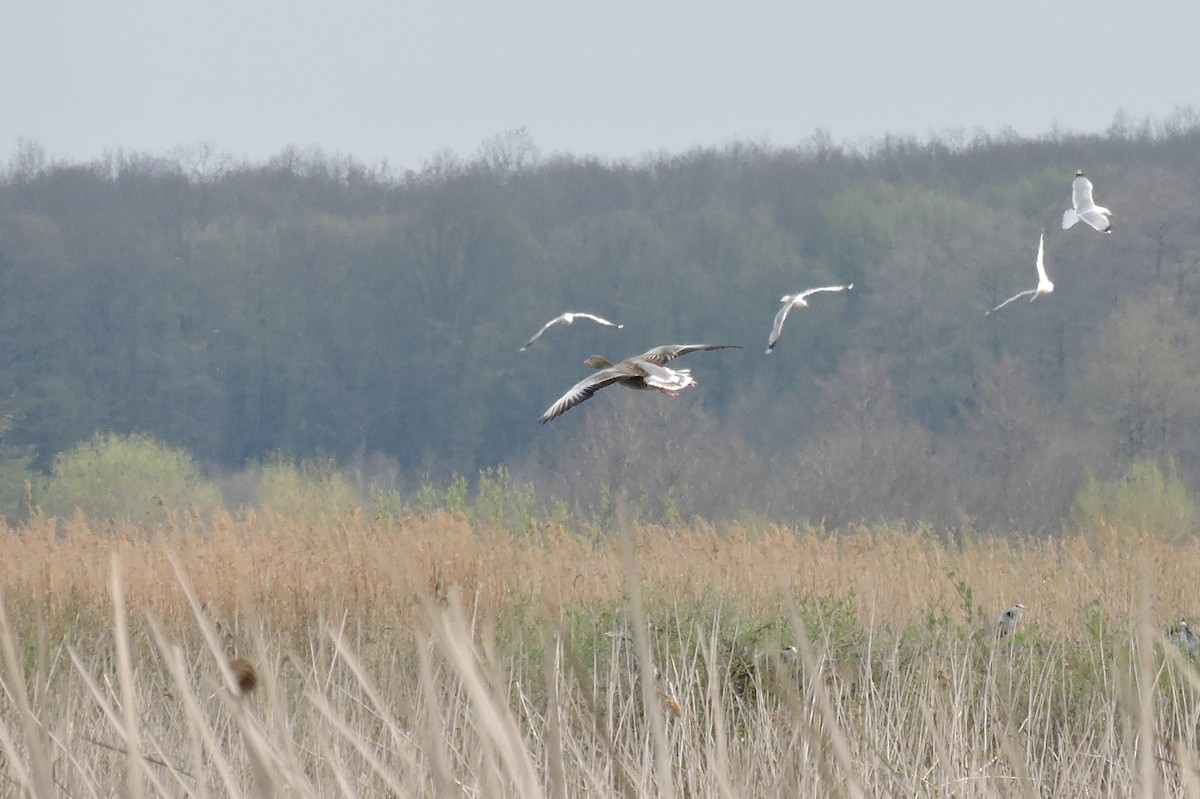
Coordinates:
(566, 319)
(1044, 285)
(1082, 206)
(791, 301)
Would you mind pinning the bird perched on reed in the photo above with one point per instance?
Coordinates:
(1008, 621)
(1186, 640)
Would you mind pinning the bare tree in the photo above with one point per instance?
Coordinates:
(1019, 461)
(1142, 383)
(863, 462)
(669, 458)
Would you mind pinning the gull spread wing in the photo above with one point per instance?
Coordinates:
(1081, 193)
(1025, 293)
(804, 294)
(1044, 285)
(790, 301)
(1041, 265)
(1084, 207)
(1097, 218)
(561, 319)
(667, 352)
(777, 329)
(598, 319)
(566, 319)
(582, 391)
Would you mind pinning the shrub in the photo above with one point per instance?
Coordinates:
(15, 478)
(130, 477)
(306, 490)
(1145, 500)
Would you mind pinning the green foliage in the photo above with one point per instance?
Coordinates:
(313, 305)
(972, 612)
(307, 490)
(387, 503)
(16, 478)
(132, 477)
(501, 502)
(430, 499)
(497, 501)
(1143, 502)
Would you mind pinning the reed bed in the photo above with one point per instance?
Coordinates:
(255, 655)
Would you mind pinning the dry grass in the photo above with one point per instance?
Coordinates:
(290, 572)
(255, 655)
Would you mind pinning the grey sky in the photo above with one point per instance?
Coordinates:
(619, 78)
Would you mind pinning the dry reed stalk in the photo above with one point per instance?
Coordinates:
(288, 571)
(1149, 779)
(555, 767)
(498, 729)
(647, 673)
(133, 745)
(39, 780)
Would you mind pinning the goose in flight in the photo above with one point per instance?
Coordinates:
(1044, 285)
(791, 301)
(645, 371)
(1082, 206)
(566, 319)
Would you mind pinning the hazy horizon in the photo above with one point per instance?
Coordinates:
(385, 81)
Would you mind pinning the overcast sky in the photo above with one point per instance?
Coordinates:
(401, 80)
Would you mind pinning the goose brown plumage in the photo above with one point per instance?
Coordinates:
(645, 371)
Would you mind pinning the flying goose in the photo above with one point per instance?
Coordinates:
(566, 319)
(1044, 285)
(1082, 206)
(791, 301)
(645, 371)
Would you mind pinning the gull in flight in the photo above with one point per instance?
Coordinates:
(645, 371)
(1044, 285)
(1082, 206)
(791, 301)
(566, 319)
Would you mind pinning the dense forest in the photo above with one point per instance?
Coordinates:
(315, 306)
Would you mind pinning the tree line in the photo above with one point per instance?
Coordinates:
(314, 306)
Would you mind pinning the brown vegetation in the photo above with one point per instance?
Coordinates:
(262, 565)
(426, 657)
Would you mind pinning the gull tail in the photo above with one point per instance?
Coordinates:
(1070, 217)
